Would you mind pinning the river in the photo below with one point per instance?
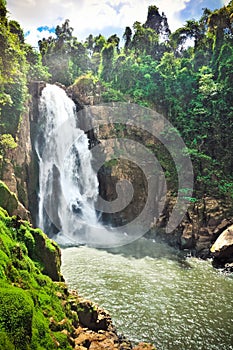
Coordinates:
(155, 295)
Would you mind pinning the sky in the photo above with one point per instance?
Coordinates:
(38, 19)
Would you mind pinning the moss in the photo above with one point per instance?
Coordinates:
(41, 337)
(28, 298)
(35, 312)
(5, 343)
(8, 200)
(26, 236)
(62, 340)
(4, 260)
(16, 315)
(47, 253)
(3, 213)
(43, 251)
(6, 242)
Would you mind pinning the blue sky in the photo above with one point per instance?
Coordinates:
(39, 18)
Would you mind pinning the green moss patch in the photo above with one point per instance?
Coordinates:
(28, 298)
(16, 314)
(8, 199)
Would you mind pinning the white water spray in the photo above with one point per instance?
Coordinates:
(68, 186)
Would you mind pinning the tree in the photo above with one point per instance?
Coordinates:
(36, 70)
(127, 36)
(157, 22)
(113, 39)
(13, 69)
(99, 42)
(220, 27)
(65, 57)
(106, 67)
(89, 44)
(145, 40)
(3, 12)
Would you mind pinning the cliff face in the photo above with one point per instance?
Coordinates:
(205, 218)
(200, 227)
(16, 165)
(203, 222)
(20, 170)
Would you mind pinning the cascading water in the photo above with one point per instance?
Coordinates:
(68, 187)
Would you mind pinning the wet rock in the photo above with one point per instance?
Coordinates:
(93, 317)
(222, 249)
(10, 202)
(36, 88)
(204, 221)
(228, 268)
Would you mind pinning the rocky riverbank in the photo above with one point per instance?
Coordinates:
(37, 309)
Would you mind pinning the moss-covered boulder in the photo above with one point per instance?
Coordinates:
(5, 342)
(8, 199)
(10, 202)
(44, 251)
(28, 298)
(16, 314)
(40, 248)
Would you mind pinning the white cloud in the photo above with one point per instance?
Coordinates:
(34, 36)
(90, 16)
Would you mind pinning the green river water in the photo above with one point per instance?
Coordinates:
(154, 295)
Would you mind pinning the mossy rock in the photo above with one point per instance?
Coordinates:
(48, 253)
(8, 199)
(5, 342)
(16, 314)
(28, 298)
(85, 83)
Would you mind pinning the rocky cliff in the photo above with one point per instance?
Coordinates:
(204, 221)
(19, 168)
(16, 166)
(206, 218)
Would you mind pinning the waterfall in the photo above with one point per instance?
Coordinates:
(68, 186)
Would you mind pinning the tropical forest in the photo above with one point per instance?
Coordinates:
(72, 115)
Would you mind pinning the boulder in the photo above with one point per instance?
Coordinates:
(222, 249)
(9, 202)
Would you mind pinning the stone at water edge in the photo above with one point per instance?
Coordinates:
(222, 249)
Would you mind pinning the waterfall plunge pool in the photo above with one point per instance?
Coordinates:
(154, 295)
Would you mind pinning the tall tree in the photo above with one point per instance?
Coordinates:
(157, 22)
(65, 57)
(13, 70)
(127, 36)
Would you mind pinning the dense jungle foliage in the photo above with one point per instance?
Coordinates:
(185, 75)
